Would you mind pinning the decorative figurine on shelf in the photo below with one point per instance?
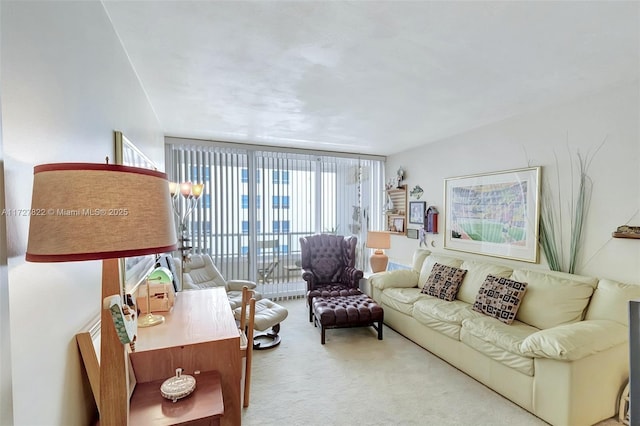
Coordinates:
(391, 183)
(423, 237)
(388, 206)
(399, 177)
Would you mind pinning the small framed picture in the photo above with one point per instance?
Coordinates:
(412, 233)
(398, 224)
(416, 211)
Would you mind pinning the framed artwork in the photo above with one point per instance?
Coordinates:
(416, 211)
(398, 224)
(133, 269)
(494, 214)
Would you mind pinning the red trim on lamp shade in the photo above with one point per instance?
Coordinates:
(97, 255)
(97, 166)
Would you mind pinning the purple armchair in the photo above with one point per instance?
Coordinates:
(328, 266)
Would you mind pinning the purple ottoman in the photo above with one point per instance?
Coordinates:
(347, 311)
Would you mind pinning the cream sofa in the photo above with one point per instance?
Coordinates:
(564, 358)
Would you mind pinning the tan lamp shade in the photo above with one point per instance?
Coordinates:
(378, 240)
(85, 211)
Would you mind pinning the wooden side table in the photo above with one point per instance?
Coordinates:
(203, 407)
(199, 334)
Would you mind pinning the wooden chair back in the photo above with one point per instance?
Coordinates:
(247, 318)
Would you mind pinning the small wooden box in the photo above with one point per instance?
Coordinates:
(162, 297)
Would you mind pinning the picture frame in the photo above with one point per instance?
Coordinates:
(416, 211)
(133, 269)
(398, 224)
(494, 214)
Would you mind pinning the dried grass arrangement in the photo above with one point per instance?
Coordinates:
(558, 209)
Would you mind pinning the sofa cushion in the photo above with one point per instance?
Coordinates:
(445, 317)
(431, 260)
(399, 278)
(610, 301)
(476, 274)
(444, 282)
(499, 341)
(500, 298)
(553, 298)
(575, 341)
(401, 299)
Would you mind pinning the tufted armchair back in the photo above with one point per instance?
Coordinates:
(327, 257)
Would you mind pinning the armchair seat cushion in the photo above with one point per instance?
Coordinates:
(332, 290)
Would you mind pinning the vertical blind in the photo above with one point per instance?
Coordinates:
(257, 203)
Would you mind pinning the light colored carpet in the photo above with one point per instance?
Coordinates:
(356, 379)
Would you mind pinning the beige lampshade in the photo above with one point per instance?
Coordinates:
(378, 240)
(84, 211)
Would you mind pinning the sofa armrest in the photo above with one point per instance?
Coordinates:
(400, 278)
(574, 341)
(236, 285)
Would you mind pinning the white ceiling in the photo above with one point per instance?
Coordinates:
(375, 77)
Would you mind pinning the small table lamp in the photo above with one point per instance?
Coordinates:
(378, 240)
(101, 212)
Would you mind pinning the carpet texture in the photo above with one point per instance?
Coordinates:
(356, 379)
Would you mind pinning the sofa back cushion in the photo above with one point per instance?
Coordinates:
(553, 298)
(610, 301)
(430, 261)
(418, 259)
(476, 274)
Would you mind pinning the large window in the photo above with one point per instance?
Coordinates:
(301, 194)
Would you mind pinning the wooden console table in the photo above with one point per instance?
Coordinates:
(199, 334)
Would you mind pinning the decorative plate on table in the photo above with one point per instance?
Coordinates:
(178, 386)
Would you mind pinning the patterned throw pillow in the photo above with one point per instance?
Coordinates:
(444, 282)
(500, 298)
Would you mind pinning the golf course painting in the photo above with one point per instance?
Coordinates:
(495, 214)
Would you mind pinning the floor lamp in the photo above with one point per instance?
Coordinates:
(189, 193)
(101, 212)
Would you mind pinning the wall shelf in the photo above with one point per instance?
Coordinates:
(626, 231)
(396, 217)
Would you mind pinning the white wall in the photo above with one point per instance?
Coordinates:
(534, 138)
(66, 85)
(6, 399)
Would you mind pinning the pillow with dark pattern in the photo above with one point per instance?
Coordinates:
(444, 282)
(500, 298)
